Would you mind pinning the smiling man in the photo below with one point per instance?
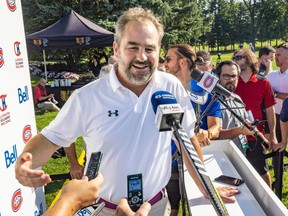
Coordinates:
(121, 122)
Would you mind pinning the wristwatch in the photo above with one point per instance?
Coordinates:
(210, 135)
(276, 94)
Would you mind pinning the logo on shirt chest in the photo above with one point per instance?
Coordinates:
(113, 113)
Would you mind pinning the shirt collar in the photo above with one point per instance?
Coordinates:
(253, 78)
(285, 72)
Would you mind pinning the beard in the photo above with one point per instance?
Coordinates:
(138, 73)
(230, 86)
(173, 70)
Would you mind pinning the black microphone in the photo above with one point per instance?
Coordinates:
(165, 107)
(210, 84)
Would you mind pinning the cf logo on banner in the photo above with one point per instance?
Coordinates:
(110, 113)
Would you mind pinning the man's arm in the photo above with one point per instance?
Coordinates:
(214, 126)
(281, 95)
(284, 136)
(76, 170)
(284, 133)
(232, 133)
(35, 153)
(271, 119)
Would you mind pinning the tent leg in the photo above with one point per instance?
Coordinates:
(45, 68)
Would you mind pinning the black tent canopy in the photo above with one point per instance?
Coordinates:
(71, 31)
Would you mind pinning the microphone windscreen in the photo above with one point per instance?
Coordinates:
(196, 74)
(162, 97)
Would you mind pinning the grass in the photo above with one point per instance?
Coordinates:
(61, 165)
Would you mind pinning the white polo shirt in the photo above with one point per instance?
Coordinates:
(279, 82)
(112, 119)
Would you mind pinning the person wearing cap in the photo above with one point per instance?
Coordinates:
(179, 61)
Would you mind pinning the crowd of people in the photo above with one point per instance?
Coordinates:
(120, 123)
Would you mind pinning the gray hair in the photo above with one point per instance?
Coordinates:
(140, 15)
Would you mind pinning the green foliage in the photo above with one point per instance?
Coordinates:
(219, 24)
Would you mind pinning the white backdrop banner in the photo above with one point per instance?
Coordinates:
(17, 117)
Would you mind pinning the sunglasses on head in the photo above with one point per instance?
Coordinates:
(238, 57)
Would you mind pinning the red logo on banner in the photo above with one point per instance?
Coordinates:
(3, 105)
(80, 40)
(17, 48)
(27, 134)
(1, 57)
(208, 82)
(11, 5)
(17, 200)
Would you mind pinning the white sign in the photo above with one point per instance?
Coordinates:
(17, 118)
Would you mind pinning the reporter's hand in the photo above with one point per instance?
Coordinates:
(123, 209)
(28, 176)
(82, 192)
(226, 193)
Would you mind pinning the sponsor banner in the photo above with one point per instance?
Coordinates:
(17, 117)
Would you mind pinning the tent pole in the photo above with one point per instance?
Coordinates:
(45, 68)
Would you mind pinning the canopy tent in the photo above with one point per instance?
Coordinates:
(71, 31)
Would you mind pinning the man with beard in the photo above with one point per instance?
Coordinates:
(257, 95)
(180, 60)
(120, 122)
(179, 54)
(232, 128)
